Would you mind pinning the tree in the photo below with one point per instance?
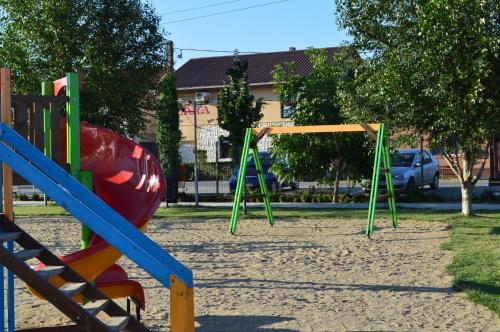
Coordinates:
(432, 69)
(168, 135)
(117, 45)
(237, 108)
(326, 157)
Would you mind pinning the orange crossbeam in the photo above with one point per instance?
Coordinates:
(343, 128)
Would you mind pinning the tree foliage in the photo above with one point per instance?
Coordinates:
(237, 108)
(432, 69)
(117, 45)
(168, 135)
(315, 101)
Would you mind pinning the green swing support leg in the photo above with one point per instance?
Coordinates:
(382, 151)
(241, 181)
(262, 184)
(390, 188)
(374, 185)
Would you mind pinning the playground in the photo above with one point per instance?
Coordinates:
(315, 273)
(297, 271)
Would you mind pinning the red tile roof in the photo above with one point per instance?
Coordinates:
(211, 72)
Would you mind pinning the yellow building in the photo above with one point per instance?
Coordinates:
(201, 79)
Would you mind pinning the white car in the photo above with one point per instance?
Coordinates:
(410, 169)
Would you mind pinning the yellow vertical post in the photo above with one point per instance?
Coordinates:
(181, 306)
(8, 204)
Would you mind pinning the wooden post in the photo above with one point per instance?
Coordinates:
(6, 118)
(8, 203)
(181, 306)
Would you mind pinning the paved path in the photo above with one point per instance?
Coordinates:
(419, 206)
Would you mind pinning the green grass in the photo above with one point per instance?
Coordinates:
(474, 241)
(33, 211)
(476, 261)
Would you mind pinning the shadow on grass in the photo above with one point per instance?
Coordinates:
(465, 285)
(240, 323)
(495, 231)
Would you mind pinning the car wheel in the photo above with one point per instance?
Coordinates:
(435, 182)
(410, 186)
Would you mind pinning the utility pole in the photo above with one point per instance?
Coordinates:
(217, 148)
(196, 198)
(170, 56)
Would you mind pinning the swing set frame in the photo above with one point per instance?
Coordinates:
(382, 152)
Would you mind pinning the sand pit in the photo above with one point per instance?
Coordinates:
(301, 275)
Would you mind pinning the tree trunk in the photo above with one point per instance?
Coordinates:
(236, 155)
(336, 185)
(467, 185)
(174, 185)
(466, 198)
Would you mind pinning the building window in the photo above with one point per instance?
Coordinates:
(286, 111)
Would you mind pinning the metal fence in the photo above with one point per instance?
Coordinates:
(215, 184)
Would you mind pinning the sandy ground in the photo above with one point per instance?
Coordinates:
(301, 275)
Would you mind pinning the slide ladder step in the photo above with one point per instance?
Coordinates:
(95, 307)
(9, 236)
(114, 318)
(27, 254)
(72, 288)
(117, 324)
(50, 271)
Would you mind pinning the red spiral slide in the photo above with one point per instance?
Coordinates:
(130, 180)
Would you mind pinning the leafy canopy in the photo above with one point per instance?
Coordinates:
(432, 69)
(168, 135)
(117, 45)
(237, 108)
(315, 101)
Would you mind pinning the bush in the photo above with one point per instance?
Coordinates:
(23, 197)
(274, 197)
(487, 196)
(284, 198)
(306, 197)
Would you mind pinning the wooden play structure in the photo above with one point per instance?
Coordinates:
(46, 145)
(382, 152)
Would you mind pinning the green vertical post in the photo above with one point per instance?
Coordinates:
(374, 185)
(262, 184)
(390, 188)
(73, 123)
(241, 181)
(85, 177)
(47, 90)
(73, 141)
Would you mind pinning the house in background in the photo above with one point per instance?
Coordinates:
(201, 79)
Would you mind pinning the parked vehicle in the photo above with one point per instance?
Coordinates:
(409, 169)
(251, 180)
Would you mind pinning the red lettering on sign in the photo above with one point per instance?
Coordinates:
(189, 110)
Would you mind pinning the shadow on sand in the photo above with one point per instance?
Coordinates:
(240, 323)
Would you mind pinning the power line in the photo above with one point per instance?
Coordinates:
(226, 12)
(196, 8)
(213, 51)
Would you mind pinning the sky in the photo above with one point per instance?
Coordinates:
(272, 25)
